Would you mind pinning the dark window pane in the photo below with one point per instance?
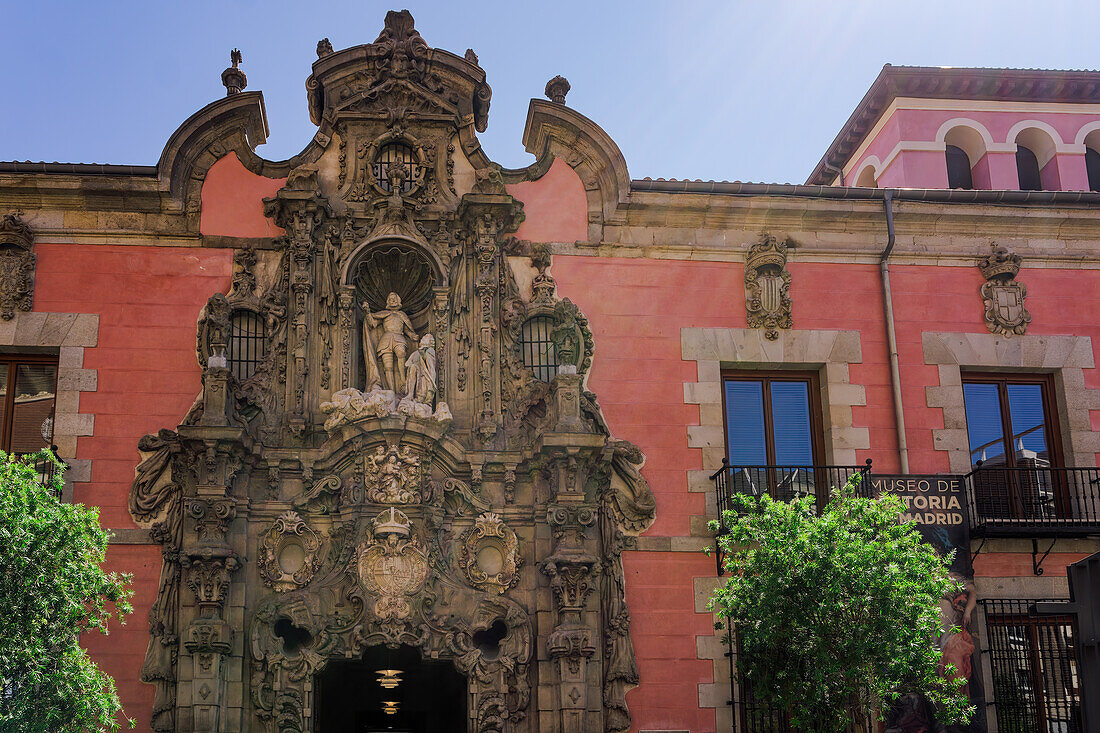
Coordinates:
(1092, 165)
(247, 344)
(745, 423)
(1027, 167)
(790, 403)
(1025, 409)
(32, 416)
(983, 423)
(537, 348)
(958, 168)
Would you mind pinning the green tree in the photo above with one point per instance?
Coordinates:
(52, 588)
(834, 612)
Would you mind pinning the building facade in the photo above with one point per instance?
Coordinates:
(390, 435)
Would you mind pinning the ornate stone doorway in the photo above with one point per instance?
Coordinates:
(390, 690)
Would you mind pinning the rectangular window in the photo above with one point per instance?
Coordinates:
(29, 384)
(773, 432)
(1013, 438)
(1034, 664)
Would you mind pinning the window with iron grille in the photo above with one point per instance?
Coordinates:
(396, 153)
(29, 384)
(247, 343)
(537, 348)
(1034, 665)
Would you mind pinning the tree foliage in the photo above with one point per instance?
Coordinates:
(52, 588)
(834, 612)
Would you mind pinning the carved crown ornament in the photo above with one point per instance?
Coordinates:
(767, 286)
(1003, 297)
(17, 261)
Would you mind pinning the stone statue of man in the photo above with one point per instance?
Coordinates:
(420, 378)
(386, 336)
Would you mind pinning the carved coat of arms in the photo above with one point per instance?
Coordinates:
(392, 565)
(1002, 296)
(767, 286)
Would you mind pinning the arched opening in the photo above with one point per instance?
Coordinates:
(965, 154)
(389, 690)
(1092, 165)
(866, 178)
(1035, 164)
(1027, 169)
(958, 168)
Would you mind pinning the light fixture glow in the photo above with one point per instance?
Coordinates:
(389, 708)
(389, 678)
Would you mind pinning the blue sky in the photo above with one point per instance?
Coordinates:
(724, 90)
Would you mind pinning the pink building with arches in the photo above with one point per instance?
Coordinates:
(902, 130)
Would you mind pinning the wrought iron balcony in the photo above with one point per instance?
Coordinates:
(1034, 500)
(784, 483)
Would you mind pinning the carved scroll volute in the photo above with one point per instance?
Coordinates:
(490, 554)
(767, 286)
(1003, 297)
(17, 261)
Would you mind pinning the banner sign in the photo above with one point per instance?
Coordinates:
(935, 503)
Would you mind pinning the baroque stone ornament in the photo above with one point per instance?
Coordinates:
(1003, 297)
(289, 553)
(767, 286)
(393, 475)
(557, 88)
(490, 554)
(321, 499)
(392, 565)
(17, 260)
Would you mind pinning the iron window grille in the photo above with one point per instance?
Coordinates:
(538, 349)
(396, 153)
(1034, 664)
(247, 343)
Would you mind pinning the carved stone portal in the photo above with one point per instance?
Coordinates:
(767, 286)
(324, 499)
(1003, 297)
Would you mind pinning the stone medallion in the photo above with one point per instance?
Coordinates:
(392, 565)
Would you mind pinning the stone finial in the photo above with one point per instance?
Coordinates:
(556, 89)
(471, 56)
(324, 48)
(233, 78)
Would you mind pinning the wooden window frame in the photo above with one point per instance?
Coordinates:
(1050, 411)
(817, 447)
(12, 361)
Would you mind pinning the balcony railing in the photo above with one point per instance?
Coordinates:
(1030, 500)
(784, 483)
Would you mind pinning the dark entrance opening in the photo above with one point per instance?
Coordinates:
(389, 691)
